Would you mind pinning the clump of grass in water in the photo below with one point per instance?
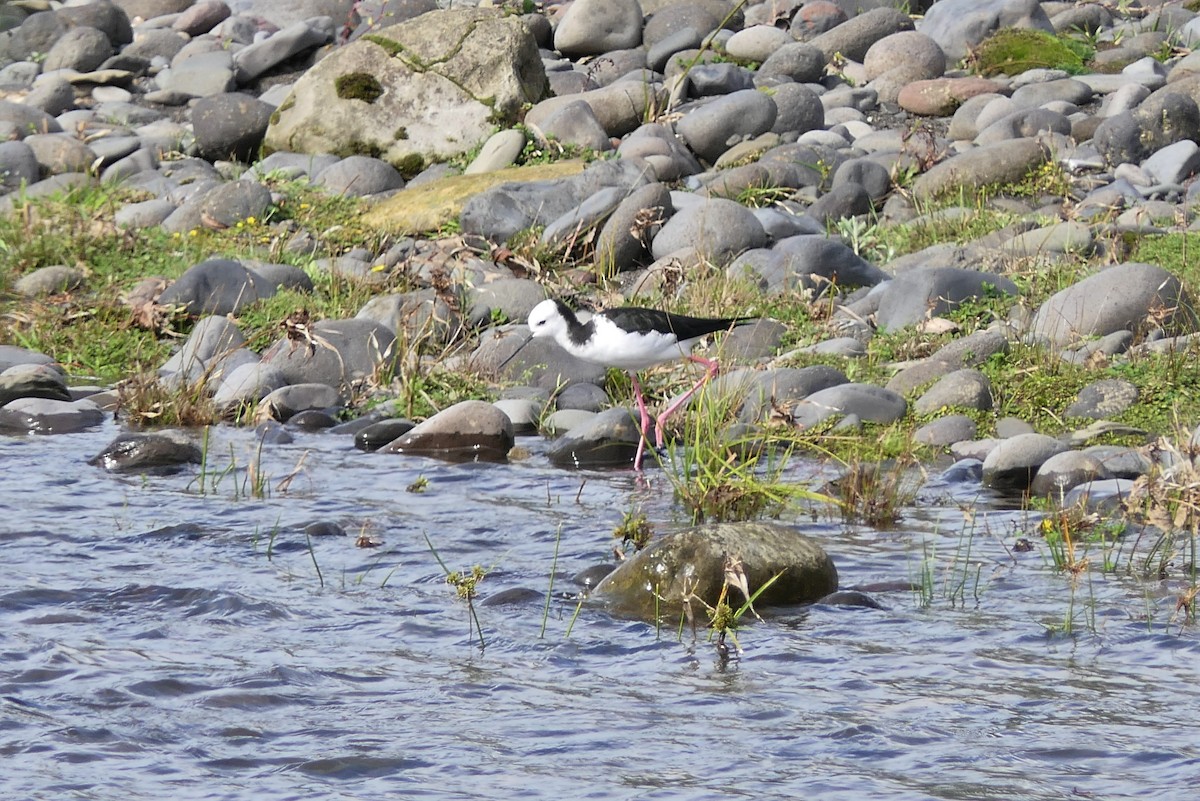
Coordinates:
(873, 493)
(723, 619)
(146, 401)
(634, 531)
(466, 585)
(721, 479)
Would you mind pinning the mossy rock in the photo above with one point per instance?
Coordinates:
(690, 564)
(430, 206)
(1011, 51)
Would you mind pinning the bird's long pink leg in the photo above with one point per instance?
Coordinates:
(644, 433)
(710, 370)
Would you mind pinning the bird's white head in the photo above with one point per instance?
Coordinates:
(546, 320)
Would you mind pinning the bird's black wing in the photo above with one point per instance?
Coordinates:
(634, 318)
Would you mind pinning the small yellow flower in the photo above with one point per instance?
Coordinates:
(250, 221)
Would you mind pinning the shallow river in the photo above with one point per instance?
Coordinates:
(162, 637)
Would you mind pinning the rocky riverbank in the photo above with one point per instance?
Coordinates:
(756, 144)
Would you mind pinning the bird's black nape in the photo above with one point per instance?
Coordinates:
(577, 331)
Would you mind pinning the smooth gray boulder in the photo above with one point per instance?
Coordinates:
(468, 431)
(1131, 296)
(1065, 471)
(961, 389)
(593, 27)
(32, 381)
(47, 416)
(922, 293)
(1011, 465)
(216, 287)
(711, 128)
(334, 352)
(718, 228)
(607, 439)
(864, 401)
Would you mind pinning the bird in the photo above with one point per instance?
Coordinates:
(632, 338)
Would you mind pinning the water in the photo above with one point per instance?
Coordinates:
(156, 640)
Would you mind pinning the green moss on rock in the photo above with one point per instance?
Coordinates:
(358, 86)
(1014, 50)
(393, 47)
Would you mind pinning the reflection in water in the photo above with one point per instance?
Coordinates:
(156, 640)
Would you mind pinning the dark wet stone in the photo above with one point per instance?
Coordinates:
(608, 439)
(1064, 471)
(1106, 496)
(286, 402)
(589, 577)
(514, 596)
(1011, 465)
(325, 528)
(850, 598)
(964, 471)
(312, 420)
(467, 431)
(158, 453)
(380, 433)
(32, 381)
(691, 563)
(272, 432)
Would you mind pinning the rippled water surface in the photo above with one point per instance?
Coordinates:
(161, 637)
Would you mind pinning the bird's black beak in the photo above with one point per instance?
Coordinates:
(516, 350)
